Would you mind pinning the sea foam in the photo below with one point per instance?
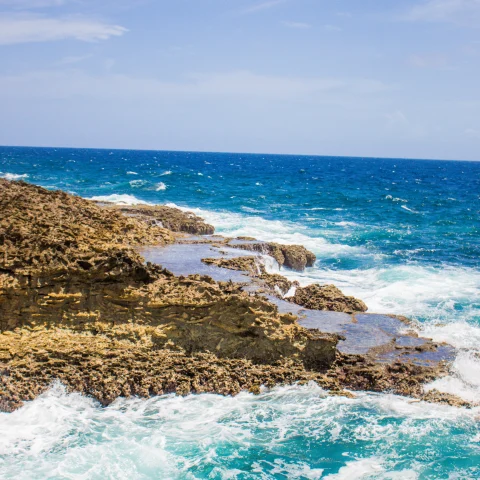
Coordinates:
(13, 176)
(67, 435)
(119, 199)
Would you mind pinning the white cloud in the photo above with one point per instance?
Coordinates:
(396, 118)
(300, 25)
(74, 59)
(38, 28)
(428, 61)
(71, 83)
(33, 3)
(263, 6)
(331, 28)
(472, 133)
(462, 12)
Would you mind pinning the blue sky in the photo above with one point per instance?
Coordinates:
(329, 77)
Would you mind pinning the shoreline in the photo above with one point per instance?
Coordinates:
(87, 310)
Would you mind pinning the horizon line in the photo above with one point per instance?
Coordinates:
(356, 157)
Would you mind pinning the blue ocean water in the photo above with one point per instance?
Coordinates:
(403, 235)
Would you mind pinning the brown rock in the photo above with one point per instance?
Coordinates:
(172, 218)
(327, 297)
(295, 257)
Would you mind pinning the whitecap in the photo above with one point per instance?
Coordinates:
(13, 176)
(409, 209)
(119, 199)
(166, 172)
(132, 173)
(137, 183)
(160, 187)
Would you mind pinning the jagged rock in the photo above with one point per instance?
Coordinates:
(52, 231)
(72, 286)
(172, 218)
(254, 268)
(77, 304)
(327, 297)
(295, 257)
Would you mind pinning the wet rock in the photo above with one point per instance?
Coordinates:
(295, 257)
(327, 297)
(278, 285)
(78, 304)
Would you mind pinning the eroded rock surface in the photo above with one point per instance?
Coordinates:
(69, 274)
(172, 218)
(295, 257)
(78, 304)
(327, 297)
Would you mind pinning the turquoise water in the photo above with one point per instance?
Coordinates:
(403, 235)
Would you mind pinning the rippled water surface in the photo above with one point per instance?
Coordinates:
(403, 235)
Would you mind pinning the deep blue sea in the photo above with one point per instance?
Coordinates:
(402, 235)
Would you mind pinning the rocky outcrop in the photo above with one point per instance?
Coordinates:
(314, 297)
(327, 297)
(277, 284)
(72, 287)
(295, 257)
(172, 218)
(52, 232)
(78, 304)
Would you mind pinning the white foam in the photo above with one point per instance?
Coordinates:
(120, 199)
(132, 173)
(13, 176)
(359, 469)
(237, 225)
(137, 183)
(166, 172)
(464, 378)
(409, 209)
(62, 435)
(160, 187)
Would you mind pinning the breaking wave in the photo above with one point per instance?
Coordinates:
(13, 176)
(61, 435)
(119, 199)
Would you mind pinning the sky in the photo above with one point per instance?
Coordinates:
(378, 78)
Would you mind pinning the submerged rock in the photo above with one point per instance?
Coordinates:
(327, 297)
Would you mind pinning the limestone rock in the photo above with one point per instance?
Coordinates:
(172, 218)
(295, 257)
(327, 297)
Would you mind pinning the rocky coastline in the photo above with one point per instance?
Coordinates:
(80, 304)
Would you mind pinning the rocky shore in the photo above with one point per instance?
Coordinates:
(79, 304)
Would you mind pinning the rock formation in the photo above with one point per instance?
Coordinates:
(174, 219)
(295, 257)
(78, 304)
(327, 297)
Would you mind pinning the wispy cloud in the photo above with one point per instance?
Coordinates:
(472, 133)
(428, 61)
(331, 28)
(72, 59)
(262, 6)
(296, 25)
(462, 12)
(244, 84)
(38, 28)
(27, 4)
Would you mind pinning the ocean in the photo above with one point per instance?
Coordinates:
(402, 235)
